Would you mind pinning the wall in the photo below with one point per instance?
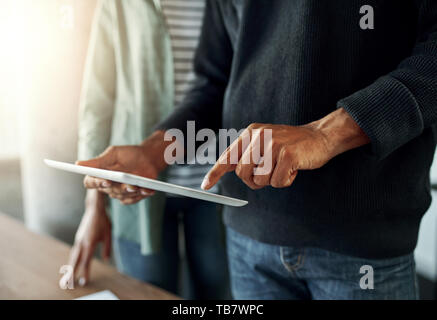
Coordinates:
(53, 200)
(9, 131)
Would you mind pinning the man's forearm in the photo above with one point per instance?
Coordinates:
(341, 132)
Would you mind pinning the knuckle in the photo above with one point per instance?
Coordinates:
(254, 125)
(104, 190)
(248, 183)
(259, 180)
(243, 134)
(276, 186)
(252, 185)
(285, 153)
(239, 170)
(286, 184)
(275, 183)
(117, 190)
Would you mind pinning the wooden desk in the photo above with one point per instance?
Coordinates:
(30, 263)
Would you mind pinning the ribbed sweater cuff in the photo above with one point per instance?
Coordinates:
(387, 112)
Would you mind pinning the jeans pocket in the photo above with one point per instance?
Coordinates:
(292, 259)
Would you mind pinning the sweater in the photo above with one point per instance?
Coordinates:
(292, 62)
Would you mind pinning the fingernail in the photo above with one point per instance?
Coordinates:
(145, 193)
(205, 183)
(82, 282)
(129, 189)
(106, 184)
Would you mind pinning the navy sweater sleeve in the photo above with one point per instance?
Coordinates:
(212, 63)
(397, 107)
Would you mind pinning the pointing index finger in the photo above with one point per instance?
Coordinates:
(214, 175)
(227, 162)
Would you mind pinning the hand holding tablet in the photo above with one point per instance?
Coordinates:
(142, 182)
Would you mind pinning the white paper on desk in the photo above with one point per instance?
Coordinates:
(102, 295)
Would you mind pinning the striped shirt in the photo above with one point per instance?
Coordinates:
(184, 21)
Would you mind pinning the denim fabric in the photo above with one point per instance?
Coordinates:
(204, 250)
(263, 271)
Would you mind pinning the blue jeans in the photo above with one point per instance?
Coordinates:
(263, 271)
(204, 250)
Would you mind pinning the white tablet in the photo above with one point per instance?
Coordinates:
(152, 184)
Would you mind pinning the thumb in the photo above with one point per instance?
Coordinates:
(105, 160)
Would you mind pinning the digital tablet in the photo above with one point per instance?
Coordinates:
(142, 182)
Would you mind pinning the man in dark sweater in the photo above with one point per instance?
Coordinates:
(351, 111)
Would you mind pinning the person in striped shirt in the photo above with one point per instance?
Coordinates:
(139, 67)
(184, 21)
